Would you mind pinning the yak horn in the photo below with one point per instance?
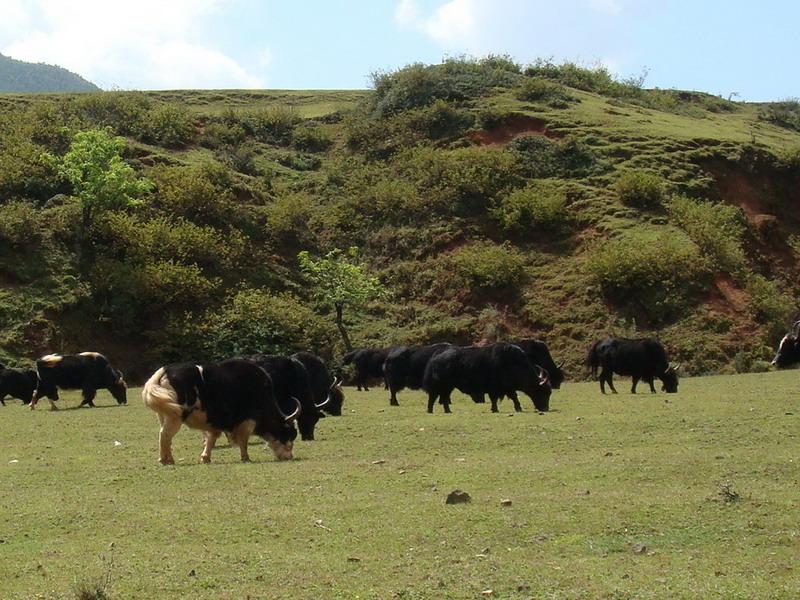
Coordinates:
(294, 415)
(324, 402)
(561, 364)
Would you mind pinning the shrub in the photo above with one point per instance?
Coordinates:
(535, 89)
(272, 125)
(19, 225)
(640, 189)
(168, 125)
(488, 266)
(783, 114)
(311, 138)
(456, 79)
(716, 228)
(543, 157)
(252, 321)
(539, 205)
(464, 180)
(124, 112)
(300, 161)
(200, 193)
(288, 216)
(596, 79)
(219, 134)
(654, 273)
(770, 304)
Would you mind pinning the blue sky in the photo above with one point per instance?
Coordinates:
(717, 46)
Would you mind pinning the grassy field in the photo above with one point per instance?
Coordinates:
(612, 497)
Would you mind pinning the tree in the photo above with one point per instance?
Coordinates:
(100, 179)
(339, 281)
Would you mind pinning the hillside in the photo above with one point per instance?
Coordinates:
(490, 200)
(19, 76)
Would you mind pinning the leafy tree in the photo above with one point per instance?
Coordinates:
(339, 281)
(100, 179)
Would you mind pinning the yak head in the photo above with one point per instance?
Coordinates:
(788, 349)
(539, 389)
(669, 379)
(118, 387)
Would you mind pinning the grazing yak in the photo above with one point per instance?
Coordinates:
(234, 396)
(641, 358)
(368, 363)
(87, 371)
(496, 370)
(326, 389)
(17, 384)
(539, 354)
(291, 383)
(405, 367)
(789, 349)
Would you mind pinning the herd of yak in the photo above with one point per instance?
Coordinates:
(275, 396)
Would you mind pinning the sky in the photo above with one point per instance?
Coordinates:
(723, 47)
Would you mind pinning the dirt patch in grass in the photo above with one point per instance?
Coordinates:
(726, 296)
(512, 127)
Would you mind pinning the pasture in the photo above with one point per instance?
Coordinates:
(611, 497)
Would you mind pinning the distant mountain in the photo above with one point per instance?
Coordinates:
(21, 76)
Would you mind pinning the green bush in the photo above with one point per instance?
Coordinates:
(716, 228)
(542, 157)
(311, 138)
(540, 205)
(220, 134)
(535, 89)
(125, 112)
(657, 274)
(272, 125)
(252, 321)
(456, 79)
(596, 79)
(464, 180)
(288, 217)
(770, 304)
(489, 266)
(19, 225)
(200, 193)
(640, 189)
(300, 161)
(135, 295)
(168, 125)
(129, 238)
(783, 114)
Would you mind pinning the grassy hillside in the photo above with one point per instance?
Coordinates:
(20, 76)
(491, 200)
(611, 497)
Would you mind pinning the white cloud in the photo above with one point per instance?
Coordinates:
(453, 22)
(148, 44)
(407, 12)
(265, 57)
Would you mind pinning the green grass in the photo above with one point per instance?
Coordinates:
(588, 481)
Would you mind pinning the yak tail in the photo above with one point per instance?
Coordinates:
(593, 359)
(348, 358)
(160, 396)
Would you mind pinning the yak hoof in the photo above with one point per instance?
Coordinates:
(167, 461)
(394, 403)
(206, 460)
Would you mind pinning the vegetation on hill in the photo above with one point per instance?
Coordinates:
(20, 76)
(487, 198)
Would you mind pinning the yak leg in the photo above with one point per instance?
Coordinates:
(3, 399)
(493, 399)
(88, 396)
(241, 435)
(169, 427)
(431, 401)
(52, 397)
(515, 400)
(210, 440)
(635, 381)
(649, 380)
(393, 397)
(445, 400)
(478, 398)
(608, 375)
